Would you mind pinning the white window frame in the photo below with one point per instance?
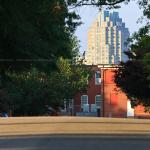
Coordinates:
(82, 100)
(100, 101)
(97, 80)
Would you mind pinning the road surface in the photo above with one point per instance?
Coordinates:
(73, 125)
(75, 142)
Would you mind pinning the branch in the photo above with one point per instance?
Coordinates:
(98, 3)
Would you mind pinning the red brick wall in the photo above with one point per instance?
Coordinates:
(139, 112)
(115, 103)
(92, 91)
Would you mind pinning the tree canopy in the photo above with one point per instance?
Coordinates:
(133, 77)
(98, 3)
(30, 93)
(35, 33)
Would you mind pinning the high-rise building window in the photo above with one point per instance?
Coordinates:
(97, 78)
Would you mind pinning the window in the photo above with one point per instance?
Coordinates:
(84, 100)
(98, 24)
(97, 78)
(93, 108)
(71, 102)
(98, 101)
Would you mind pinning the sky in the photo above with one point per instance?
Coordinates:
(129, 13)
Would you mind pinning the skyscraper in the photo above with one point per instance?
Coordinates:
(107, 38)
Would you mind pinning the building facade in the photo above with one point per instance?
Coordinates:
(101, 99)
(107, 38)
(104, 99)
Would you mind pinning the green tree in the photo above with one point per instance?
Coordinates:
(35, 33)
(133, 77)
(25, 93)
(76, 74)
(32, 92)
(29, 93)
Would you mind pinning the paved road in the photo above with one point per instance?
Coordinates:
(72, 125)
(74, 142)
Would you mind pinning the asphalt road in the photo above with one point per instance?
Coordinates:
(72, 125)
(75, 142)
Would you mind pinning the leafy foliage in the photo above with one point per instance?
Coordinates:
(29, 93)
(35, 33)
(134, 75)
(98, 3)
(73, 77)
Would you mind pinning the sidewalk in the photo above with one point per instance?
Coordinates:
(73, 125)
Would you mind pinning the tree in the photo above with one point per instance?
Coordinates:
(133, 77)
(31, 93)
(98, 3)
(77, 75)
(25, 93)
(35, 33)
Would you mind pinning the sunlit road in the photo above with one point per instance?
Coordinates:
(75, 142)
(72, 125)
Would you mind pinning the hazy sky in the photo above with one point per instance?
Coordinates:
(129, 14)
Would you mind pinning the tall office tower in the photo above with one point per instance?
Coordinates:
(106, 40)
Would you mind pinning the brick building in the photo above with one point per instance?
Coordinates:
(103, 97)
